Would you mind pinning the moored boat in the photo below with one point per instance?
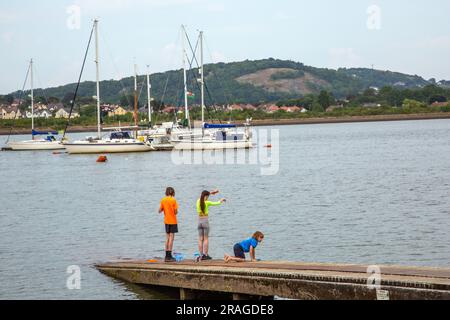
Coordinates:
(119, 141)
(212, 136)
(221, 136)
(49, 143)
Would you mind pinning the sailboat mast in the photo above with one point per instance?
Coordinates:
(135, 97)
(32, 100)
(186, 109)
(149, 86)
(202, 78)
(97, 62)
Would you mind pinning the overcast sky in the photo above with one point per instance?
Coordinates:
(410, 36)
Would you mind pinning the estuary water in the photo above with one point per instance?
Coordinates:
(370, 193)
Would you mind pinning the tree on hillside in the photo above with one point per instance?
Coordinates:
(86, 100)
(88, 111)
(390, 96)
(370, 92)
(67, 100)
(410, 104)
(40, 99)
(8, 99)
(325, 99)
(431, 90)
(53, 100)
(437, 98)
(157, 105)
(317, 107)
(307, 101)
(126, 101)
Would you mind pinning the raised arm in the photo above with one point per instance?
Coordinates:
(216, 203)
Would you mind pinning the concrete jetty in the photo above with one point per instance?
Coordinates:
(292, 280)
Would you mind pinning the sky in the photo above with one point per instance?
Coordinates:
(409, 36)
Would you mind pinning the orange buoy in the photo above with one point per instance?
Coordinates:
(268, 146)
(102, 159)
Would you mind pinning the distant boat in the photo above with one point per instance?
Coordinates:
(49, 143)
(160, 136)
(119, 141)
(161, 143)
(212, 136)
(221, 136)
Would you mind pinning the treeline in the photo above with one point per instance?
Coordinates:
(384, 97)
(223, 88)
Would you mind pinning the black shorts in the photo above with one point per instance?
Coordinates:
(171, 228)
(238, 251)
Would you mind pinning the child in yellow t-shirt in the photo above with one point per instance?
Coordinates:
(203, 222)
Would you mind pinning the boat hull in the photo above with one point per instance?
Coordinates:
(35, 145)
(163, 147)
(86, 148)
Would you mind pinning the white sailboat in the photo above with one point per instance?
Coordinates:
(216, 137)
(160, 136)
(212, 136)
(119, 141)
(49, 143)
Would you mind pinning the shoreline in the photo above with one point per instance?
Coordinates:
(352, 119)
(277, 122)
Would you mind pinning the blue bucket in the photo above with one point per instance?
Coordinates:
(178, 257)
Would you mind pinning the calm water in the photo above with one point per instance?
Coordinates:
(375, 193)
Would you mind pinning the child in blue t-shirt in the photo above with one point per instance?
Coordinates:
(248, 245)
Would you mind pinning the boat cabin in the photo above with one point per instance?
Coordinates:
(120, 135)
(222, 135)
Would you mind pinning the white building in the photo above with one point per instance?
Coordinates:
(64, 114)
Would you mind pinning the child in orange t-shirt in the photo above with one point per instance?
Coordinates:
(170, 208)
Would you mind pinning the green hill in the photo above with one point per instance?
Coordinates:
(244, 82)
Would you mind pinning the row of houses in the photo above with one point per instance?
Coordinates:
(116, 110)
(272, 108)
(269, 108)
(58, 110)
(40, 111)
